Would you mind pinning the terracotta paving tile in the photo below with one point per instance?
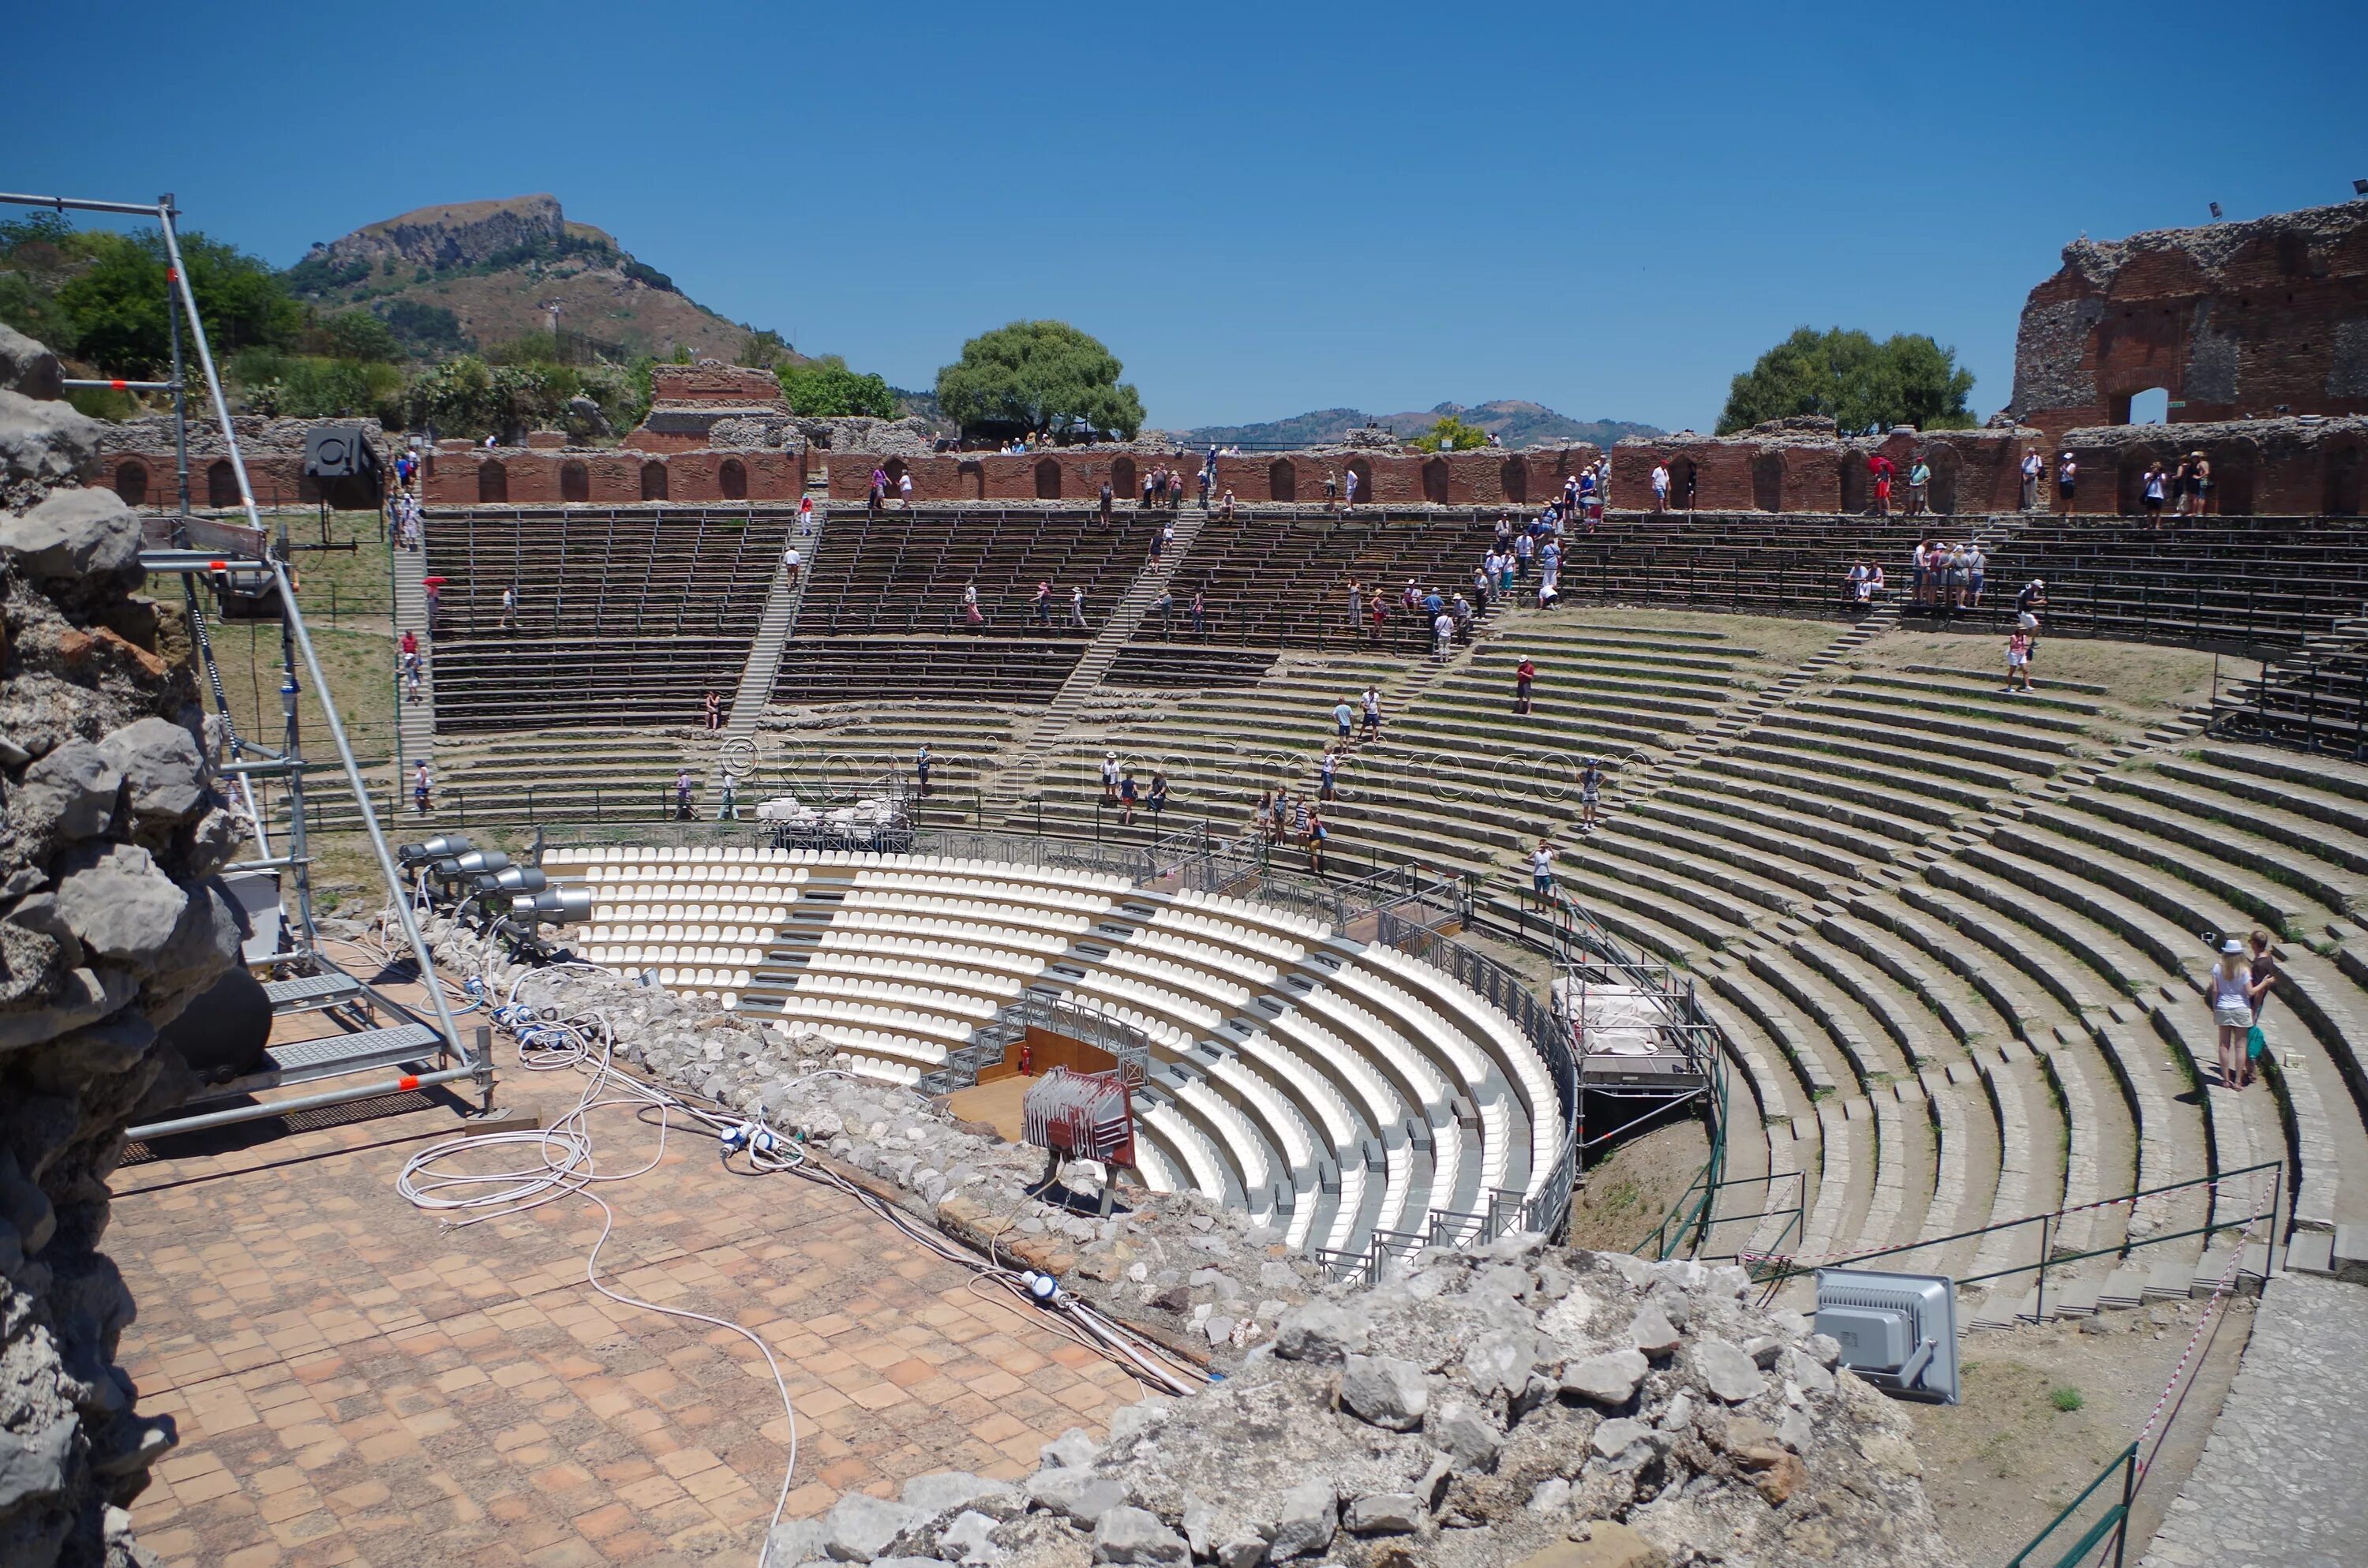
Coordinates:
(354, 1386)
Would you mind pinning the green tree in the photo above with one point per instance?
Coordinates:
(1857, 383)
(826, 388)
(358, 334)
(1452, 435)
(763, 349)
(117, 303)
(1033, 376)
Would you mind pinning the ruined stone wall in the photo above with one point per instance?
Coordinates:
(110, 921)
(1806, 466)
(1394, 476)
(2232, 320)
(463, 475)
(137, 460)
(2298, 467)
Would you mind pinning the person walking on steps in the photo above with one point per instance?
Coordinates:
(1043, 602)
(1590, 793)
(2229, 988)
(420, 786)
(1077, 607)
(2031, 468)
(1156, 800)
(1316, 834)
(1373, 702)
(1110, 778)
(2264, 971)
(921, 771)
(510, 608)
(1525, 678)
(1542, 882)
(728, 805)
(971, 615)
(1328, 775)
(792, 563)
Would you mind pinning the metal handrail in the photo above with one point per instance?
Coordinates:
(2114, 1523)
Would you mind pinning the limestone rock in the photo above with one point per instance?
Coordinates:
(28, 368)
(1610, 1379)
(1606, 1544)
(162, 769)
(953, 1491)
(1653, 1334)
(1320, 1331)
(68, 795)
(861, 1527)
(1071, 1450)
(1385, 1513)
(116, 903)
(34, 1468)
(1730, 1374)
(1306, 1523)
(969, 1538)
(1135, 1534)
(1079, 1493)
(42, 444)
(1465, 1434)
(1385, 1391)
(75, 534)
(1623, 1443)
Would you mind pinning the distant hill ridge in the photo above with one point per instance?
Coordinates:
(1510, 420)
(478, 272)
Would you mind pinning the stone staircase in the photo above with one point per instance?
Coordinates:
(1033, 743)
(774, 629)
(415, 723)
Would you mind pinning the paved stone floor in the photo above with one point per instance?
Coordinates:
(353, 1385)
(2280, 1484)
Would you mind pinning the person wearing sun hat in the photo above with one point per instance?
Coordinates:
(2229, 989)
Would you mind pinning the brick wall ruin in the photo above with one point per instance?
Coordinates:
(2233, 320)
(1386, 476)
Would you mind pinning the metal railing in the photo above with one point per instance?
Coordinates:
(1773, 1268)
(1692, 1212)
(2298, 688)
(1080, 1019)
(2113, 1523)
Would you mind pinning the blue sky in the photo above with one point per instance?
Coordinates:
(1261, 209)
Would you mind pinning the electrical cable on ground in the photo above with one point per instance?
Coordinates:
(564, 1164)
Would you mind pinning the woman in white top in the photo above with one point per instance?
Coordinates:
(2229, 989)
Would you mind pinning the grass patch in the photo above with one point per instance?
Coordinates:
(2066, 1398)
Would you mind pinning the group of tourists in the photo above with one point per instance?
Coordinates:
(2187, 488)
(1122, 794)
(1280, 815)
(883, 486)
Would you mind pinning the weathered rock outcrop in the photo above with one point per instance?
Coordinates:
(108, 926)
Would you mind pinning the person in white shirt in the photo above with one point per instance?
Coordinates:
(904, 490)
(792, 562)
(1541, 869)
(2030, 471)
(1442, 631)
(1660, 488)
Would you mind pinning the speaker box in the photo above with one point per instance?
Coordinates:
(337, 452)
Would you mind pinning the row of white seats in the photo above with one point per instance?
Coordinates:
(731, 936)
(990, 889)
(1157, 1171)
(1383, 1107)
(1187, 1013)
(1523, 1066)
(1249, 1155)
(1190, 1148)
(980, 910)
(1204, 955)
(741, 958)
(983, 990)
(940, 1034)
(690, 892)
(900, 991)
(642, 854)
(1469, 1060)
(906, 922)
(998, 870)
(1167, 972)
(1338, 1127)
(902, 1075)
(1424, 1080)
(1353, 1204)
(954, 957)
(782, 877)
(870, 1041)
(1228, 934)
(1264, 917)
(1287, 1130)
(618, 912)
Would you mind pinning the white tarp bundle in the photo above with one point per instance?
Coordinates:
(1612, 1019)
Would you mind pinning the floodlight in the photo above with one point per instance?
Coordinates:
(442, 848)
(2215, 211)
(2359, 188)
(554, 906)
(513, 879)
(1897, 1331)
(474, 863)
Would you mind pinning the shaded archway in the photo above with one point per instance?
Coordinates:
(132, 483)
(732, 480)
(654, 481)
(1048, 479)
(2235, 465)
(1364, 473)
(974, 480)
(492, 482)
(222, 484)
(1434, 481)
(1282, 479)
(1948, 467)
(1850, 484)
(1513, 479)
(1683, 482)
(2340, 495)
(575, 482)
(1122, 489)
(1768, 482)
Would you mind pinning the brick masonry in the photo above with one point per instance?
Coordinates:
(2234, 320)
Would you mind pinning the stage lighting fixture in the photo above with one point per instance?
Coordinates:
(1897, 1331)
(441, 848)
